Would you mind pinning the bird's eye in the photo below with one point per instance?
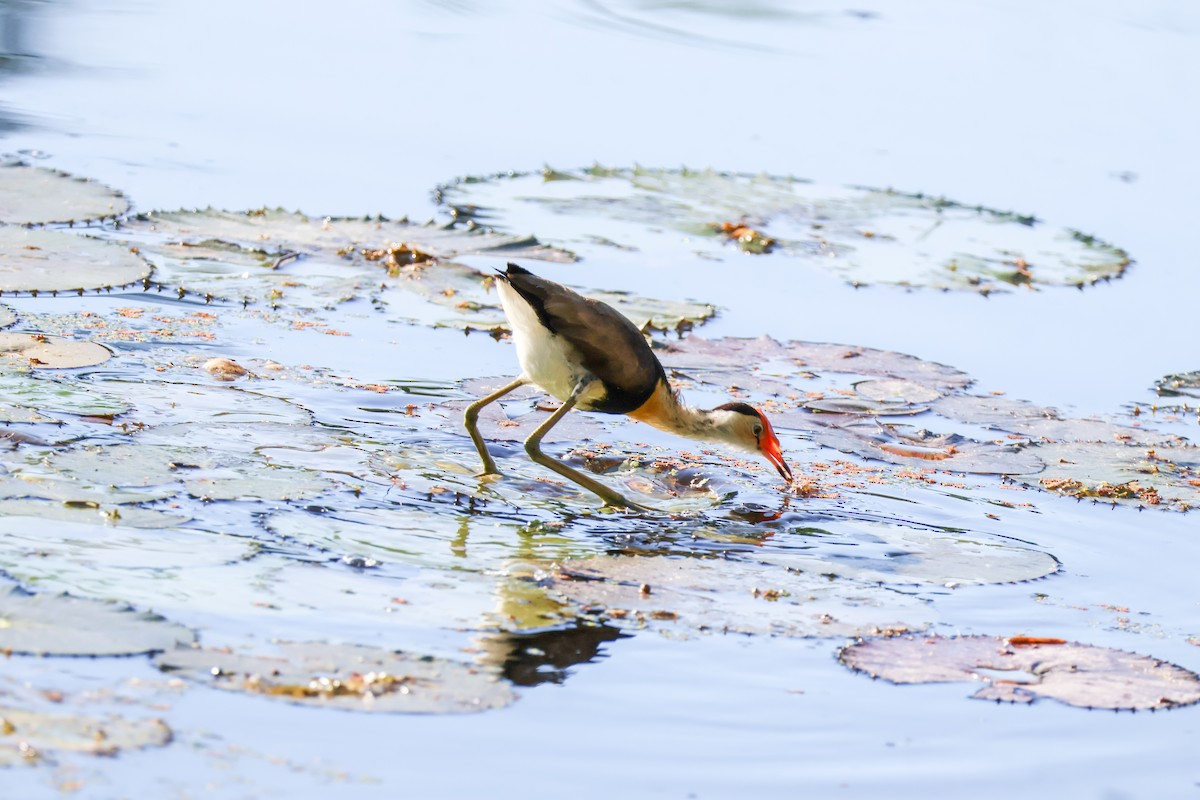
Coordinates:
(758, 429)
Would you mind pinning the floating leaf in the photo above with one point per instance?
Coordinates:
(865, 235)
(1080, 675)
(28, 736)
(36, 260)
(1158, 476)
(36, 196)
(896, 554)
(349, 677)
(20, 351)
(61, 625)
(1186, 383)
(897, 390)
(22, 396)
(913, 447)
(151, 566)
(91, 511)
(722, 596)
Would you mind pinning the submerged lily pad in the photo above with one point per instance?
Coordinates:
(36, 196)
(62, 625)
(720, 596)
(36, 260)
(1080, 675)
(349, 677)
(27, 736)
(895, 554)
(38, 351)
(865, 235)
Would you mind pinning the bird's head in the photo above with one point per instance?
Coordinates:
(746, 427)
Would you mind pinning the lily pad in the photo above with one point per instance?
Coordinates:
(22, 396)
(675, 595)
(19, 351)
(36, 196)
(37, 260)
(62, 625)
(1081, 675)
(91, 512)
(27, 736)
(348, 677)
(1163, 476)
(896, 555)
(913, 447)
(1184, 383)
(865, 235)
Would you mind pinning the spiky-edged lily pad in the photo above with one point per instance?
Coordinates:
(36, 260)
(7, 316)
(20, 351)
(254, 256)
(865, 235)
(27, 736)
(910, 446)
(1163, 476)
(1080, 675)
(349, 677)
(61, 625)
(23, 396)
(895, 554)
(37, 196)
(720, 596)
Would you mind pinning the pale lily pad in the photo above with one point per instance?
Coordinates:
(920, 448)
(25, 395)
(679, 595)
(20, 351)
(1082, 675)
(894, 554)
(1164, 476)
(348, 677)
(91, 511)
(36, 196)
(863, 406)
(170, 402)
(26, 736)
(865, 235)
(7, 316)
(897, 390)
(1184, 383)
(37, 260)
(62, 625)
(151, 566)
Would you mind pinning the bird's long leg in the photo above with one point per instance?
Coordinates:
(533, 448)
(471, 419)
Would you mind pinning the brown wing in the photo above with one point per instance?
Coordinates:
(608, 345)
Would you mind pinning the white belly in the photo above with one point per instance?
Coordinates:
(546, 359)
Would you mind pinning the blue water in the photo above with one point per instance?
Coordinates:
(1083, 113)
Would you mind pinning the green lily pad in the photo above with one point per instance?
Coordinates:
(21, 351)
(62, 625)
(678, 595)
(27, 736)
(865, 235)
(348, 677)
(91, 511)
(36, 196)
(23, 396)
(37, 260)
(894, 555)
(151, 566)
(1082, 675)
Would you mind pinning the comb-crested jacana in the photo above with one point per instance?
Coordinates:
(591, 357)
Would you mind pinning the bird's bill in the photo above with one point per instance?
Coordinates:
(771, 449)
